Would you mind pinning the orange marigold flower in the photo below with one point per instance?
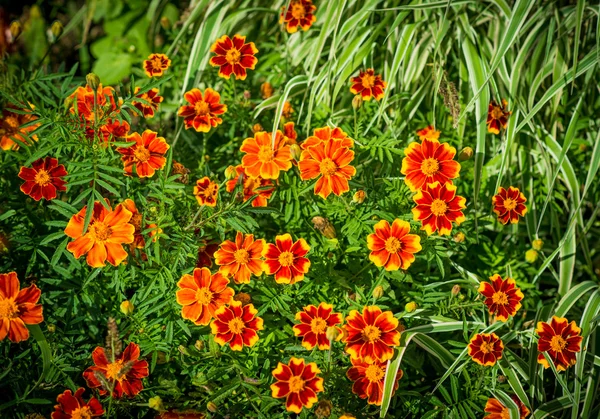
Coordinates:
(233, 55)
(329, 161)
(147, 154)
(253, 187)
(393, 247)
(43, 179)
(93, 106)
(368, 380)
(314, 322)
(202, 111)
(497, 116)
(124, 374)
(107, 231)
(289, 133)
(113, 128)
(236, 325)
(287, 111)
(72, 406)
(438, 207)
(206, 192)
(264, 159)
(242, 258)
(371, 335)
(298, 383)
(152, 100)
(156, 65)
(11, 128)
(428, 133)
(286, 259)
(485, 348)
(201, 294)
(368, 85)
(18, 307)
(561, 340)
(299, 14)
(326, 133)
(429, 162)
(509, 205)
(266, 90)
(136, 221)
(497, 410)
(502, 297)
(206, 254)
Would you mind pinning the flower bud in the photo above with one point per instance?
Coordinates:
(359, 197)
(410, 307)
(212, 407)
(378, 292)
(183, 350)
(206, 157)
(323, 409)
(459, 237)
(357, 102)
(199, 345)
(531, 255)
(51, 328)
(243, 298)
(295, 151)
(247, 94)
(501, 379)
(465, 154)
(230, 172)
(257, 128)
(93, 81)
(165, 23)
(56, 29)
(537, 244)
(455, 290)
(156, 403)
(15, 29)
(266, 90)
(127, 307)
(333, 333)
(324, 226)
(583, 147)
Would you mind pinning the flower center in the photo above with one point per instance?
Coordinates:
(298, 11)
(500, 298)
(286, 258)
(81, 413)
(11, 122)
(241, 256)
(236, 325)
(296, 384)
(486, 347)
(370, 333)
(392, 245)
(328, 167)
(557, 343)
(510, 204)
(204, 296)
(142, 154)
(497, 112)
(266, 153)
(438, 207)
(8, 309)
(368, 81)
(100, 232)
(210, 190)
(42, 177)
(374, 373)
(201, 108)
(318, 325)
(430, 166)
(113, 371)
(157, 63)
(233, 56)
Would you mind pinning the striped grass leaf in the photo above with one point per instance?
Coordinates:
(47, 357)
(295, 83)
(514, 381)
(574, 295)
(557, 405)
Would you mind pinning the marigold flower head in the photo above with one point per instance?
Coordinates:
(368, 380)
(497, 116)
(127, 307)
(206, 254)
(266, 90)
(392, 246)
(18, 307)
(11, 128)
(233, 55)
(152, 100)
(485, 348)
(438, 207)
(236, 325)
(509, 205)
(371, 334)
(206, 192)
(73, 406)
(429, 162)
(368, 85)
(359, 197)
(290, 134)
(497, 410)
(242, 258)
(287, 111)
(286, 259)
(314, 324)
(112, 129)
(94, 105)
(203, 111)
(43, 179)
(298, 383)
(502, 297)
(136, 221)
(326, 133)
(156, 65)
(299, 14)
(256, 188)
(263, 158)
(428, 133)
(561, 340)
(147, 154)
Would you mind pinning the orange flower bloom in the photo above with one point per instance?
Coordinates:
(428, 133)
(290, 134)
(509, 205)
(368, 380)
(485, 349)
(368, 85)
(136, 221)
(72, 406)
(113, 128)
(262, 158)
(299, 14)
(92, 106)
(107, 231)
(393, 247)
(233, 56)
(298, 383)
(371, 335)
(206, 254)
(497, 410)
(266, 90)
(561, 340)
(242, 258)
(438, 207)
(152, 99)
(11, 127)
(497, 116)
(206, 192)
(201, 294)
(156, 65)
(502, 297)
(236, 325)
(429, 162)
(314, 322)
(147, 154)
(202, 111)
(286, 259)
(18, 307)
(125, 373)
(252, 187)
(326, 133)
(44, 179)
(329, 161)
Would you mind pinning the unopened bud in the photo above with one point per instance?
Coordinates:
(531, 255)
(127, 307)
(93, 81)
(230, 172)
(357, 102)
(537, 244)
(378, 292)
(323, 409)
(57, 30)
(257, 128)
(156, 403)
(247, 94)
(465, 154)
(459, 237)
(15, 29)
(212, 407)
(324, 226)
(199, 345)
(206, 157)
(502, 379)
(583, 147)
(183, 350)
(51, 328)
(410, 307)
(455, 290)
(243, 298)
(333, 333)
(359, 197)
(165, 23)
(295, 151)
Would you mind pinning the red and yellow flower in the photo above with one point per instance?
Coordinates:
(497, 116)
(136, 221)
(368, 84)
(206, 192)
(72, 406)
(233, 55)
(298, 383)
(299, 14)
(509, 205)
(485, 348)
(11, 128)
(314, 322)
(393, 247)
(371, 335)
(18, 307)
(561, 340)
(206, 254)
(368, 380)
(93, 106)
(497, 410)
(147, 154)
(287, 111)
(286, 259)
(264, 158)
(429, 162)
(112, 129)
(438, 207)
(261, 189)
(502, 297)
(236, 325)
(201, 294)
(152, 100)
(428, 133)
(124, 374)
(203, 111)
(156, 65)
(43, 179)
(241, 258)
(290, 134)
(327, 133)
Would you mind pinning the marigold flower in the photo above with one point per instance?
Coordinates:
(290, 133)
(72, 406)
(485, 348)
(264, 159)
(156, 65)
(18, 307)
(359, 197)
(314, 322)
(152, 98)
(347, 416)
(201, 294)
(242, 258)
(206, 254)
(11, 128)
(202, 111)
(428, 133)
(266, 90)
(236, 325)
(438, 207)
(509, 205)
(147, 154)
(107, 231)
(92, 106)
(261, 189)
(367, 84)
(233, 55)
(136, 221)
(393, 247)
(368, 380)
(497, 410)
(326, 133)
(537, 244)
(287, 111)
(113, 128)
(299, 14)
(371, 335)
(497, 116)
(43, 179)
(286, 259)
(124, 374)
(429, 162)
(298, 383)
(206, 192)
(126, 307)
(502, 297)
(561, 340)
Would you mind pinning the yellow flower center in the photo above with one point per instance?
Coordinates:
(81, 413)
(241, 256)
(99, 231)
(500, 298)
(156, 63)
(328, 167)
(430, 166)
(42, 178)
(8, 309)
(557, 343)
(486, 347)
(201, 108)
(392, 245)
(438, 207)
(233, 56)
(113, 370)
(318, 325)
(210, 190)
(368, 81)
(298, 11)
(286, 258)
(236, 325)
(374, 373)
(497, 112)
(142, 154)
(510, 204)
(296, 384)
(266, 154)
(204, 296)
(11, 122)
(370, 333)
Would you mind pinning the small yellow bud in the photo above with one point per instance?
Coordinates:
(378, 292)
(199, 345)
(537, 244)
(333, 333)
(359, 197)
(15, 29)
(183, 350)
(459, 237)
(93, 81)
(257, 128)
(230, 172)
(51, 328)
(206, 157)
(165, 23)
(212, 407)
(531, 255)
(127, 307)
(455, 290)
(357, 102)
(156, 403)
(295, 151)
(56, 29)
(465, 154)
(410, 307)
